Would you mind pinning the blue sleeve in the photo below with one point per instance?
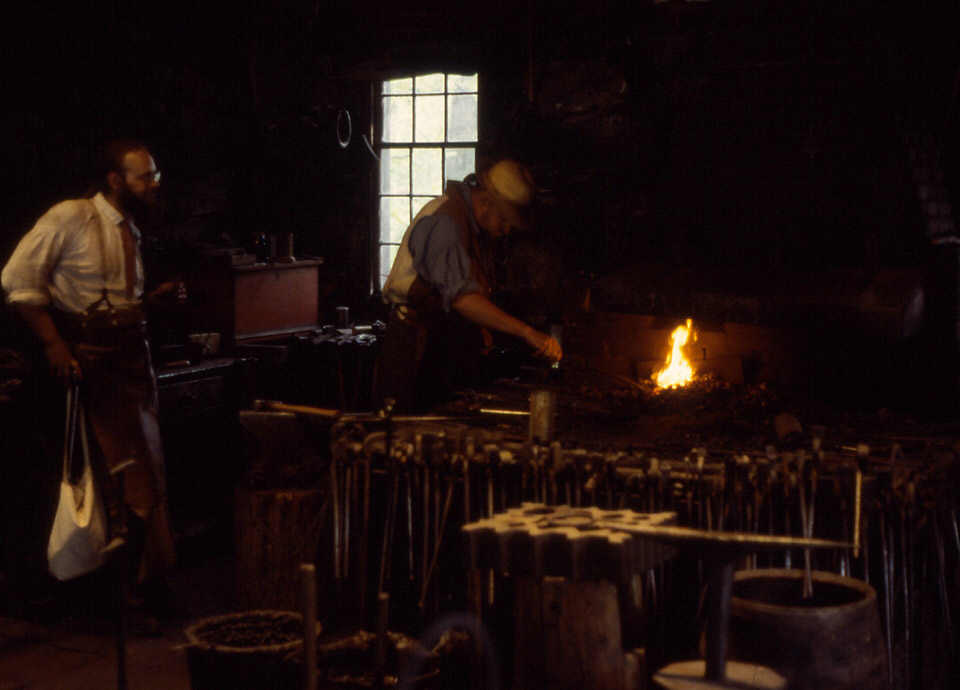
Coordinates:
(440, 258)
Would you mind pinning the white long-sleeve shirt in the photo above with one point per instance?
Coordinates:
(59, 263)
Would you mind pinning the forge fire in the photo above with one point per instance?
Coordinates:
(677, 370)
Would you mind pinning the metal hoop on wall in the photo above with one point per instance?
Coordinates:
(344, 122)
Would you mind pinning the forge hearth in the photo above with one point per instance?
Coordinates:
(636, 346)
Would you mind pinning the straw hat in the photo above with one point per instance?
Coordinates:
(510, 186)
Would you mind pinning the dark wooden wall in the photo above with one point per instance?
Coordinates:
(732, 137)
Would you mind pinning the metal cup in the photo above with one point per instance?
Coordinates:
(543, 407)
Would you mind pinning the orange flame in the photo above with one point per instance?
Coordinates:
(677, 371)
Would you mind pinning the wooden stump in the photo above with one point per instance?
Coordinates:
(275, 531)
(568, 636)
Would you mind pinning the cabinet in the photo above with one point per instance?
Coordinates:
(203, 448)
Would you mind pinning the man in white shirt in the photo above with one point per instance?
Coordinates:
(76, 278)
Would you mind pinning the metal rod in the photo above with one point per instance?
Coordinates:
(122, 568)
(436, 510)
(436, 548)
(524, 480)
(408, 505)
(335, 498)
(811, 512)
(579, 483)
(467, 462)
(735, 541)
(844, 565)
(122, 619)
(365, 539)
(489, 491)
(308, 602)
(956, 530)
(787, 528)
(887, 571)
(719, 590)
(942, 582)
(347, 491)
(424, 556)
(907, 604)
(866, 552)
(804, 526)
(857, 498)
(388, 528)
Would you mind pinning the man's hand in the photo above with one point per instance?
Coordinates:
(546, 347)
(63, 364)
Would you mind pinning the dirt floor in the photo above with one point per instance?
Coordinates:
(60, 643)
(63, 657)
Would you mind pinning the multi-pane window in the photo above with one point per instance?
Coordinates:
(428, 135)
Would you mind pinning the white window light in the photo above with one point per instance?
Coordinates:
(429, 133)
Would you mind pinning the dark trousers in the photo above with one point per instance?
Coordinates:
(423, 363)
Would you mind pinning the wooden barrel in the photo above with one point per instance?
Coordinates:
(833, 640)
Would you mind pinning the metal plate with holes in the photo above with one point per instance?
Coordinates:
(577, 543)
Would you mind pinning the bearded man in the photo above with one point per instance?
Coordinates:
(77, 280)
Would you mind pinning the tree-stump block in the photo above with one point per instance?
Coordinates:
(567, 636)
(275, 531)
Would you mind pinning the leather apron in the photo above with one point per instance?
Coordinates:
(429, 353)
(119, 389)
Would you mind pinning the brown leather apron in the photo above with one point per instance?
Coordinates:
(427, 354)
(119, 390)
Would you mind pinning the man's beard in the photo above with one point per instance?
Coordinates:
(142, 211)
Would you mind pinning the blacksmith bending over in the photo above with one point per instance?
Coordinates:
(77, 279)
(440, 283)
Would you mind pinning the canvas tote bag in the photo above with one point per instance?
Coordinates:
(79, 527)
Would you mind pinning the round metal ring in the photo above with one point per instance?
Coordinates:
(343, 121)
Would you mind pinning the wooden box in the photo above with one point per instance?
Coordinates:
(258, 300)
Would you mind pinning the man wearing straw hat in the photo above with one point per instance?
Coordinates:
(440, 284)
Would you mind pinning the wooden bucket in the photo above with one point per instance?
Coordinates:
(833, 640)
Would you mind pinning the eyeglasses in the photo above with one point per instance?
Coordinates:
(149, 176)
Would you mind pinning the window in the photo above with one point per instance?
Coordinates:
(428, 135)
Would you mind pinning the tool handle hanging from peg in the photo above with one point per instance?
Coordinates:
(862, 452)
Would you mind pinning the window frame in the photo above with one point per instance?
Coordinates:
(377, 130)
